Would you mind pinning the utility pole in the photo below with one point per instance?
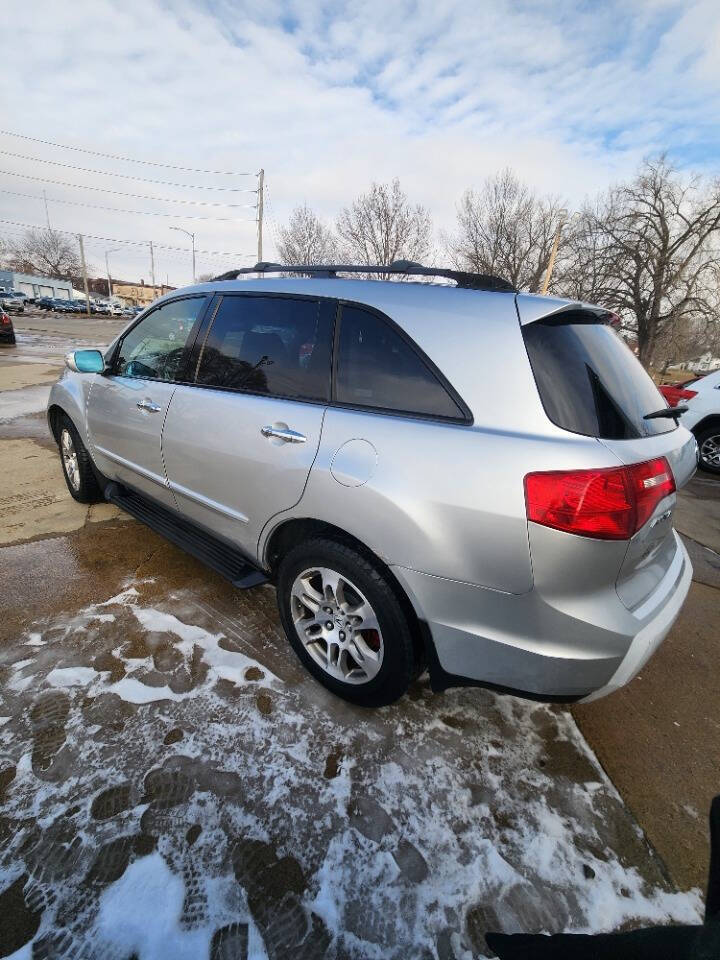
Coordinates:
(553, 253)
(84, 270)
(152, 269)
(261, 182)
(47, 213)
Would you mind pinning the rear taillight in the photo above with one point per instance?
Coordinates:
(609, 504)
(676, 395)
(4, 319)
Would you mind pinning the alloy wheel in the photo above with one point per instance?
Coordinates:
(337, 625)
(710, 451)
(69, 459)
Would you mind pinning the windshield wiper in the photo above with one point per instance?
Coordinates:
(667, 412)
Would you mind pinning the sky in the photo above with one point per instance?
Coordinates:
(327, 98)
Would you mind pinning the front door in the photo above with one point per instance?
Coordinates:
(239, 444)
(127, 406)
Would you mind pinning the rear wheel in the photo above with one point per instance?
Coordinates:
(345, 622)
(77, 465)
(709, 449)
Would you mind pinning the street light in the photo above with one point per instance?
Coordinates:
(192, 238)
(562, 220)
(107, 268)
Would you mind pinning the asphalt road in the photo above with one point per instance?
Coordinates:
(173, 783)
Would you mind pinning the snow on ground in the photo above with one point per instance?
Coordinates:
(176, 786)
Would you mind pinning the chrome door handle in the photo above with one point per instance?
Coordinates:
(149, 406)
(289, 436)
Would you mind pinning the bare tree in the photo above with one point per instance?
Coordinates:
(382, 226)
(649, 249)
(306, 239)
(507, 229)
(45, 252)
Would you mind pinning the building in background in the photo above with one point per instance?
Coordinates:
(137, 294)
(36, 286)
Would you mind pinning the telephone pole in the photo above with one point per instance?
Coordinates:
(261, 181)
(47, 213)
(84, 270)
(563, 215)
(152, 269)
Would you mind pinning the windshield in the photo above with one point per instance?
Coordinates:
(589, 380)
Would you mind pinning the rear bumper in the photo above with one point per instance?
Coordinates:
(531, 646)
(673, 590)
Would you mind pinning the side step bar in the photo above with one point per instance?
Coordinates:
(219, 556)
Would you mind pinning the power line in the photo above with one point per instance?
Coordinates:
(111, 156)
(135, 196)
(135, 213)
(144, 243)
(126, 176)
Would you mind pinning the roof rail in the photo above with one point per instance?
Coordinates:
(472, 281)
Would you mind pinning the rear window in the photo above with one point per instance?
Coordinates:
(589, 380)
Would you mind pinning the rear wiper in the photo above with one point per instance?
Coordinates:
(674, 412)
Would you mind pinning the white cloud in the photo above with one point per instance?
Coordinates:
(327, 99)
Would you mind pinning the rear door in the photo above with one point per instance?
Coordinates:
(238, 445)
(127, 406)
(590, 383)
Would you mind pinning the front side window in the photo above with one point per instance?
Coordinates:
(376, 367)
(156, 349)
(272, 345)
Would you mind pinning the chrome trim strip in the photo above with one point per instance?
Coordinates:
(207, 502)
(148, 474)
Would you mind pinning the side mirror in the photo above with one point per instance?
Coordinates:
(85, 361)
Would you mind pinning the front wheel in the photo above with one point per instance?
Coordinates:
(77, 465)
(709, 449)
(345, 622)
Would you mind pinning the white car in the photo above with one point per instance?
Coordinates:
(702, 399)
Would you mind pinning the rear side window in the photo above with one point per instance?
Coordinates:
(270, 345)
(589, 380)
(376, 367)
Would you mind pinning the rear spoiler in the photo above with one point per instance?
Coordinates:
(532, 308)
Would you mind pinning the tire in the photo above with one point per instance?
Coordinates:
(79, 474)
(379, 664)
(709, 446)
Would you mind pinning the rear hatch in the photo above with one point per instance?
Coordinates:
(590, 383)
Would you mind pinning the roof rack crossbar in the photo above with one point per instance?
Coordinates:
(472, 281)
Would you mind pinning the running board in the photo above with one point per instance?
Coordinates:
(219, 556)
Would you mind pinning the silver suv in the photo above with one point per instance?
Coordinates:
(459, 477)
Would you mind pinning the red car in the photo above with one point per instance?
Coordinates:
(677, 393)
(7, 332)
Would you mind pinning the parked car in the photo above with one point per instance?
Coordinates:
(9, 301)
(7, 331)
(65, 306)
(426, 480)
(44, 303)
(12, 300)
(701, 396)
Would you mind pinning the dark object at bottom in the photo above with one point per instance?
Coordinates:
(656, 943)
